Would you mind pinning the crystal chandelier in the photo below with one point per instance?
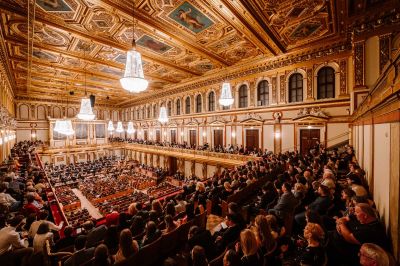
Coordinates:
(120, 128)
(64, 127)
(86, 112)
(163, 118)
(226, 98)
(110, 126)
(130, 129)
(133, 80)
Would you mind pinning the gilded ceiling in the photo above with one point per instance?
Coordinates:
(86, 40)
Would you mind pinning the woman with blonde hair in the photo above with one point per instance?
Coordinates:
(313, 254)
(372, 254)
(248, 245)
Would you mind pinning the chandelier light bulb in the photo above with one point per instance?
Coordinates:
(226, 98)
(163, 118)
(120, 128)
(110, 126)
(130, 129)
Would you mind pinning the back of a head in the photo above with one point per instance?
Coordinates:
(43, 228)
(199, 256)
(375, 253)
(231, 258)
(101, 255)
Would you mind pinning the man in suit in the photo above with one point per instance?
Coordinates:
(231, 233)
(286, 203)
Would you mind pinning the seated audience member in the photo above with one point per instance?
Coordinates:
(248, 246)
(43, 233)
(345, 242)
(29, 207)
(170, 224)
(68, 239)
(81, 254)
(7, 200)
(152, 234)
(43, 215)
(101, 256)
(286, 203)
(231, 258)
(94, 234)
(354, 182)
(200, 237)
(229, 235)
(373, 255)
(137, 226)
(13, 249)
(265, 240)
(181, 204)
(199, 256)
(313, 254)
(170, 262)
(127, 246)
(320, 205)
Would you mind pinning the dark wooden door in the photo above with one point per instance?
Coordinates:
(252, 139)
(218, 138)
(173, 136)
(192, 138)
(308, 139)
(173, 165)
(145, 134)
(158, 136)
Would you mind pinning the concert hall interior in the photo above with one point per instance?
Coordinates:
(200, 132)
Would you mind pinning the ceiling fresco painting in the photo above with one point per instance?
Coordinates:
(179, 39)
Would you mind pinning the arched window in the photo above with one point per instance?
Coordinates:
(148, 112)
(198, 103)
(178, 107)
(137, 114)
(326, 83)
(187, 105)
(169, 108)
(211, 101)
(243, 96)
(154, 111)
(262, 93)
(296, 88)
(143, 113)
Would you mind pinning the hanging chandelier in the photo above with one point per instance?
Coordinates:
(64, 127)
(86, 112)
(130, 129)
(120, 128)
(133, 80)
(163, 118)
(226, 98)
(110, 126)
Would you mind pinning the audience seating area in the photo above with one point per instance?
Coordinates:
(279, 209)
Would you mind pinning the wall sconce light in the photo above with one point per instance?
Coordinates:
(252, 127)
(33, 135)
(165, 133)
(309, 127)
(181, 133)
(233, 134)
(277, 135)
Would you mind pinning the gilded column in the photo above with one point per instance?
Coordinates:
(274, 91)
(309, 84)
(343, 77)
(282, 89)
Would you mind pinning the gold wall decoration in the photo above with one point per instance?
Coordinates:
(343, 76)
(359, 61)
(282, 90)
(384, 50)
(309, 83)
(274, 89)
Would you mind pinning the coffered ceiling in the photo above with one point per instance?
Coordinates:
(78, 40)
